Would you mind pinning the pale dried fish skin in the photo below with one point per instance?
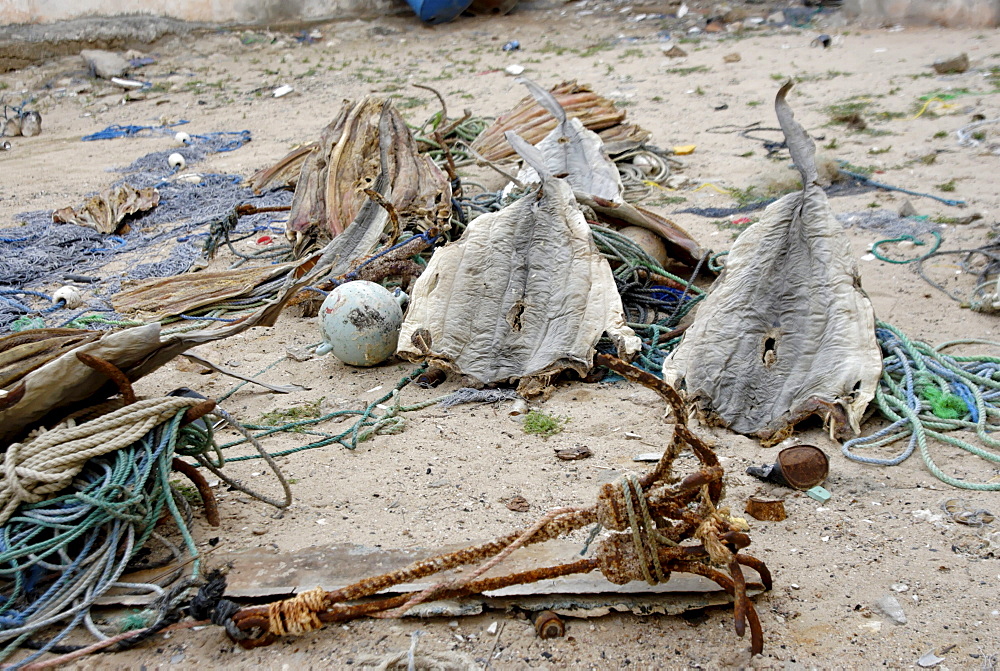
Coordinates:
(531, 122)
(364, 140)
(787, 331)
(573, 152)
(522, 295)
(105, 211)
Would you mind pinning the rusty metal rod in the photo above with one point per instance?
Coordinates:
(112, 372)
(206, 493)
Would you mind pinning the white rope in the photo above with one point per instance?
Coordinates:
(49, 462)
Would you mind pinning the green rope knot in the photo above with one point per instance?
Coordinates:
(194, 439)
(944, 404)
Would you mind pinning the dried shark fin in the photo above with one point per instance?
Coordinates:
(573, 152)
(800, 145)
(529, 154)
(786, 332)
(523, 295)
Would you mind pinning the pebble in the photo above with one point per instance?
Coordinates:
(890, 606)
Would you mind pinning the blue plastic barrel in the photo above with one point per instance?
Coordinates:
(438, 11)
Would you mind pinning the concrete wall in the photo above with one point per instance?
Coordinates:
(209, 11)
(950, 13)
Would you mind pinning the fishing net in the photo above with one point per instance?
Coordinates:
(37, 255)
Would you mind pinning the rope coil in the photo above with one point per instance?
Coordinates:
(49, 463)
(921, 392)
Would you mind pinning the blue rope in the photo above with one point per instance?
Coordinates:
(78, 544)
(913, 369)
(353, 275)
(24, 307)
(117, 130)
(879, 185)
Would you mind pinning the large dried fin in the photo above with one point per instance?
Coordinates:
(800, 145)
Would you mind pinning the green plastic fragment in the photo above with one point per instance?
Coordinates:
(819, 494)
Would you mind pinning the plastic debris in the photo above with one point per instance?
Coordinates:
(823, 40)
(131, 84)
(818, 493)
(929, 659)
(514, 70)
(513, 45)
(281, 91)
(684, 149)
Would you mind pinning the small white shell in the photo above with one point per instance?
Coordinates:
(176, 161)
(182, 138)
(71, 295)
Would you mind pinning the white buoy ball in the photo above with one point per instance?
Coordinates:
(182, 138)
(176, 161)
(360, 323)
(71, 295)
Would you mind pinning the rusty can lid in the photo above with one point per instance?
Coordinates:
(803, 466)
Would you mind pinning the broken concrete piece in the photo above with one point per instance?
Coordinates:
(258, 575)
(786, 331)
(105, 64)
(907, 209)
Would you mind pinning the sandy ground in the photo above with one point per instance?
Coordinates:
(441, 481)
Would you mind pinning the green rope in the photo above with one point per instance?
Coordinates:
(943, 404)
(60, 555)
(369, 422)
(906, 238)
(913, 371)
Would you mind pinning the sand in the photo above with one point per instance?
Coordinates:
(441, 481)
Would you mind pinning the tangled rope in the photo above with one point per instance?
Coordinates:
(927, 394)
(652, 309)
(370, 422)
(49, 463)
(59, 556)
(985, 295)
(108, 468)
